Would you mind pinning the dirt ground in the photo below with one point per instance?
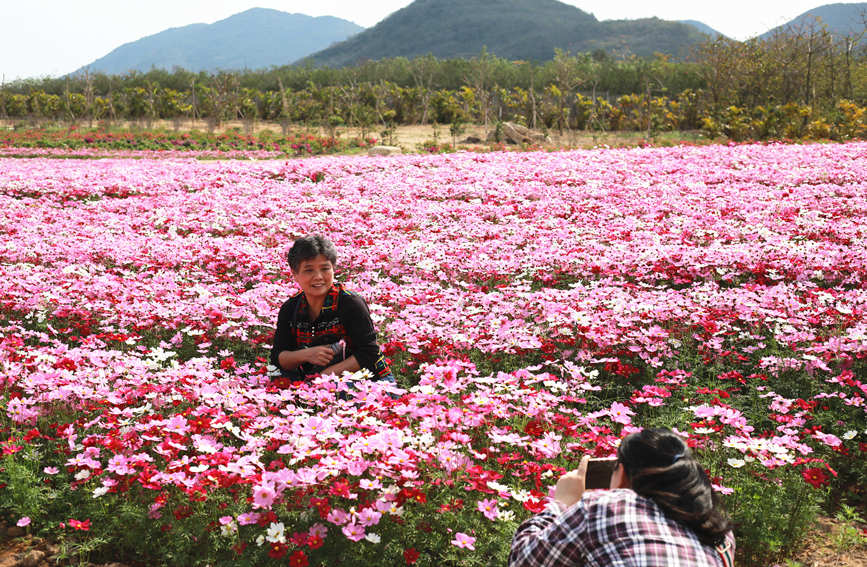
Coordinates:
(820, 551)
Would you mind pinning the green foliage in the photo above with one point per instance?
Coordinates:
(780, 499)
(760, 89)
(25, 494)
(848, 535)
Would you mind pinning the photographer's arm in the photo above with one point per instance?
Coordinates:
(550, 538)
(570, 488)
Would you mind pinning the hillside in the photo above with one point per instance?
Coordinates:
(841, 19)
(254, 39)
(513, 29)
(703, 28)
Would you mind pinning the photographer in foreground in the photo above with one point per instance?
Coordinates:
(660, 511)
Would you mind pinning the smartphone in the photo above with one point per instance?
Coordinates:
(599, 472)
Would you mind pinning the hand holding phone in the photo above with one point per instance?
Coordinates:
(570, 487)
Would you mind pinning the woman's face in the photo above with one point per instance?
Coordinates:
(315, 276)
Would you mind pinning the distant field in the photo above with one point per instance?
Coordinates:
(410, 137)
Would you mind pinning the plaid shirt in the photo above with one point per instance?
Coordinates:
(611, 527)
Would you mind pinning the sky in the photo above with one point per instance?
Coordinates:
(41, 38)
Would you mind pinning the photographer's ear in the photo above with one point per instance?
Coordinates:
(619, 478)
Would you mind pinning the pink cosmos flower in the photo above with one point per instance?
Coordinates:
(264, 495)
(620, 413)
(548, 446)
(489, 508)
(248, 518)
(705, 411)
(318, 530)
(828, 439)
(353, 531)
(369, 517)
(337, 516)
(463, 540)
(23, 522)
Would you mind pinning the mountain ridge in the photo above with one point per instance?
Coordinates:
(513, 29)
(840, 18)
(252, 39)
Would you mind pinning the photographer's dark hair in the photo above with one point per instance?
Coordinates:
(309, 247)
(661, 467)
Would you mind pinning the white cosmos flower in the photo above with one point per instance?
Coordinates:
(506, 516)
(520, 495)
(736, 463)
(276, 533)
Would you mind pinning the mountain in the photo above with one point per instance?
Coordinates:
(703, 28)
(841, 19)
(513, 29)
(253, 39)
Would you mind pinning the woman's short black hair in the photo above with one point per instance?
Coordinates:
(661, 467)
(309, 247)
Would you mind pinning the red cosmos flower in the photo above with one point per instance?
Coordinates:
(281, 383)
(815, 477)
(182, 511)
(322, 506)
(277, 550)
(410, 555)
(534, 427)
(78, 525)
(298, 559)
(534, 506)
(314, 541)
(31, 435)
(339, 488)
(9, 448)
(266, 518)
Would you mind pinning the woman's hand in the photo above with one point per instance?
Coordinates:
(570, 487)
(318, 355)
(348, 365)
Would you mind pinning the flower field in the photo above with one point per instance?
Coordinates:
(536, 307)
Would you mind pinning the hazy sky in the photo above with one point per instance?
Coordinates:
(55, 37)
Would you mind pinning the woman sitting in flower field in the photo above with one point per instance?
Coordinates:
(660, 512)
(323, 329)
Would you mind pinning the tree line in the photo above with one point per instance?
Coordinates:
(772, 87)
